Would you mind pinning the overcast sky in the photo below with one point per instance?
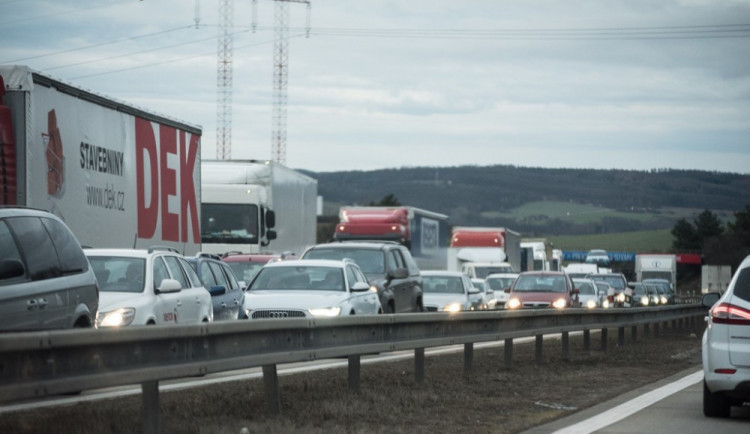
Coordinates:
(626, 84)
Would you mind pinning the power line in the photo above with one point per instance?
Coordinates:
(70, 11)
(101, 44)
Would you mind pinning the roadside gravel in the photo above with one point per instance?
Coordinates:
(491, 398)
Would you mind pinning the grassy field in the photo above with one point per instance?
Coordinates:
(642, 241)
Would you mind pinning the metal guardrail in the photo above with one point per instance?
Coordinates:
(39, 364)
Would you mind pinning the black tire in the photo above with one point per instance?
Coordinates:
(389, 308)
(715, 404)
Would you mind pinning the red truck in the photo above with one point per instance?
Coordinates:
(424, 233)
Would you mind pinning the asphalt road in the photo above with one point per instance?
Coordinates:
(671, 406)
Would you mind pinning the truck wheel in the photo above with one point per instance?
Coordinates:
(389, 308)
(715, 404)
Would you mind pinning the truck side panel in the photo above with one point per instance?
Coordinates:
(429, 239)
(117, 179)
(294, 200)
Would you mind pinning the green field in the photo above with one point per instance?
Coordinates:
(541, 212)
(642, 241)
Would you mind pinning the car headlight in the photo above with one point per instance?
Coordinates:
(453, 307)
(605, 304)
(620, 297)
(560, 303)
(116, 318)
(513, 303)
(644, 300)
(663, 300)
(591, 304)
(325, 311)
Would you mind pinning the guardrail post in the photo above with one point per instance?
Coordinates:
(565, 346)
(656, 329)
(538, 348)
(150, 411)
(604, 339)
(508, 352)
(271, 382)
(587, 340)
(620, 336)
(634, 333)
(468, 357)
(419, 365)
(646, 329)
(354, 365)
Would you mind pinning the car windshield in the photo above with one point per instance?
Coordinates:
(299, 277)
(442, 284)
(370, 261)
(483, 271)
(585, 288)
(616, 282)
(119, 274)
(540, 283)
(229, 223)
(245, 271)
(500, 283)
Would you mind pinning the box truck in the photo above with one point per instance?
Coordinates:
(480, 251)
(254, 206)
(656, 266)
(424, 233)
(715, 278)
(117, 174)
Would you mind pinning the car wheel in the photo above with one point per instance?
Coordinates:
(420, 306)
(389, 308)
(715, 404)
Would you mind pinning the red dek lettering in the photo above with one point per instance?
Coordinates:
(161, 182)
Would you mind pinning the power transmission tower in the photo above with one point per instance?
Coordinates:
(224, 81)
(280, 77)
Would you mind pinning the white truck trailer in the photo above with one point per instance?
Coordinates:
(715, 278)
(117, 174)
(656, 266)
(256, 206)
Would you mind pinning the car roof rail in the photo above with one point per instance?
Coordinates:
(208, 255)
(153, 249)
(232, 252)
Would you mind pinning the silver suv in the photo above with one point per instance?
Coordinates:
(45, 280)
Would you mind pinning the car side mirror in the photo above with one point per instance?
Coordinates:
(169, 285)
(11, 268)
(710, 299)
(507, 290)
(360, 287)
(490, 291)
(217, 290)
(398, 273)
(473, 290)
(575, 291)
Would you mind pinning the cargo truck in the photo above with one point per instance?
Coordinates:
(254, 206)
(656, 266)
(118, 175)
(480, 251)
(715, 278)
(424, 233)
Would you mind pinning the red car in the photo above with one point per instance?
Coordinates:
(542, 289)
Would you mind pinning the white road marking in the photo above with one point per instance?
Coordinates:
(631, 407)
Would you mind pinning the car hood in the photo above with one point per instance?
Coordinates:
(443, 299)
(547, 297)
(293, 299)
(110, 300)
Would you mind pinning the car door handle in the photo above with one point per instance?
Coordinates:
(38, 303)
(224, 305)
(179, 303)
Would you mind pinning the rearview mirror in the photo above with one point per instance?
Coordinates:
(217, 290)
(360, 287)
(399, 273)
(169, 285)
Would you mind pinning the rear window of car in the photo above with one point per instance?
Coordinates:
(41, 259)
(742, 286)
(368, 260)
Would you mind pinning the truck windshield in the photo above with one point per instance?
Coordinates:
(229, 223)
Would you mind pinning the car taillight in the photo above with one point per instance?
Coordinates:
(726, 313)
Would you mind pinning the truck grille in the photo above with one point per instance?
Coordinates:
(277, 314)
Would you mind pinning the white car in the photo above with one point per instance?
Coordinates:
(310, 288)
(588, 293)
(486, 297)
(499, 283)
(144, 287)
(726, 346)
(449, 291)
